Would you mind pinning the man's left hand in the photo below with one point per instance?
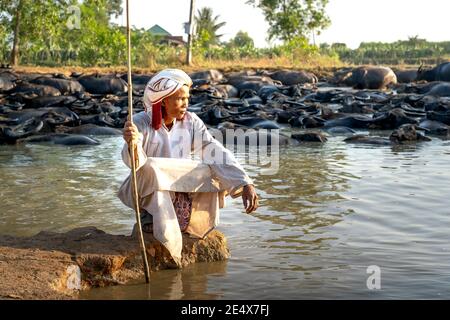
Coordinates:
(249, 198)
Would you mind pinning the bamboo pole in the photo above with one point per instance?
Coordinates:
(132, 153)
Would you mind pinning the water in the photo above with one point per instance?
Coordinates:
(330, 212)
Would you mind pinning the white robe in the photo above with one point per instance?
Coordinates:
(208, 181)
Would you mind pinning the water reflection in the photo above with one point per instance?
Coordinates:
(330, 212)
(308, 181)
(57, 188)
(188, 283)
(300, 207)
(306, 191)
(407, 147)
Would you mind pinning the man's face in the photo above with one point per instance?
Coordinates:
(176, 105)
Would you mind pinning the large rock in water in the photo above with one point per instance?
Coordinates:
(57, 265)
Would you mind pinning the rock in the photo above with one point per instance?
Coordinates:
(35, 274)
(57, 265)
(212, 248)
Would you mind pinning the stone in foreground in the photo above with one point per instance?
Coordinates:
(56, 265)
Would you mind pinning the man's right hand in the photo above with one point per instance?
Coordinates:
(130, 133)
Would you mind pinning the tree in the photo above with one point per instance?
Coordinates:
(104, 9)
(100, 42)
(339, 46)
(40, 26)
(242, 39)
(289, 19)
(31, 23)
(206, 27)
(415, 41)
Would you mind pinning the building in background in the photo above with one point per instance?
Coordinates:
(165, 36)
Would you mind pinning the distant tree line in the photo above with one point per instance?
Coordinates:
(410, 52)
(70, 32)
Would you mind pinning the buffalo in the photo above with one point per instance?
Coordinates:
(391, 119)
(5, 84)
(35, 89)
(235, 80)
(62, 139)
(435, 127)
(7, 80)
(310, 137)
(407, 132)
(290, 78)
(11, 133)
(367, 77)
(139, 81)
(65, 86)
(103, 84)
(210, 75)
(406, 76)
(48, 101)
(225, 91)
(440, 90)
(365, 139)
(438, 73)
(90, 129)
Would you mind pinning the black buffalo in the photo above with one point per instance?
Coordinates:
(139, 81)
(103, 84)
(35, 89)
(290, 78)
(440, 90)
(62, 139)
(65, 86)
(438, 73)
(407, 132)
(406, 76)
(210, 75)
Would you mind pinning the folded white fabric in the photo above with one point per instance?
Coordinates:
(160, 176)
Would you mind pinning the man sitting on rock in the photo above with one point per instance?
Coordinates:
(178, 194)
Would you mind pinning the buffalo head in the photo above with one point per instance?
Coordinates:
(427, 74)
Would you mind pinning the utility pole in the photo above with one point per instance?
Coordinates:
(189, 27)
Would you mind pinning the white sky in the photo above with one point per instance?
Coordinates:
(352, 21)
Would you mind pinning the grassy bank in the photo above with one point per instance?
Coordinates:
(320, 65)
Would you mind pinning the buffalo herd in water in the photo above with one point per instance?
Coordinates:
(70, 110)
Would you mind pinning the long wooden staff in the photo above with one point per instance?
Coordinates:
(132, 154)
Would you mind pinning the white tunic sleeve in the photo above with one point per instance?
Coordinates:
(224, 166)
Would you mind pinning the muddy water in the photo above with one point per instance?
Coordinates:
(330, 213)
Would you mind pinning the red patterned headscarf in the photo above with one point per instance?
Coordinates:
(162, 85)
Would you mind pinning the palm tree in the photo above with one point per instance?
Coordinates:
(206, 27)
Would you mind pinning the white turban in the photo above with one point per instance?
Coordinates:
(162, 85)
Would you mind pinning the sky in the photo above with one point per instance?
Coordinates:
(352, 21)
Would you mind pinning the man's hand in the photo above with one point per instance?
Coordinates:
(130, 133)
(249, 198)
